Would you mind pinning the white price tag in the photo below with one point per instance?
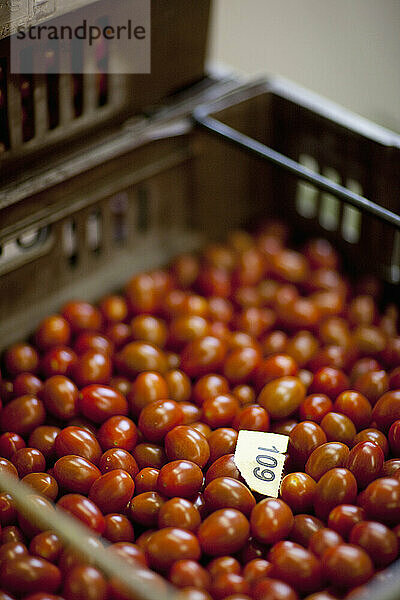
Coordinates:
(260, 457)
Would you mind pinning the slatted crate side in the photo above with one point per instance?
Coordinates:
(361, 164)
(129, 215)
(38, 112)
(60, 109)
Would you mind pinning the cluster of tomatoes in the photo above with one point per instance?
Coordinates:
(126, 414)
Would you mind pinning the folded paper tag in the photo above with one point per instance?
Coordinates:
(260, 457)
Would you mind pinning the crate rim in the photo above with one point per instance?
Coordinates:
(308, 99)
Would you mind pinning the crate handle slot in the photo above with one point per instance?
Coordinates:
(94, 232)
(395, 266)
(118, 205)
(329, 209)
(33, 238)
(351, 221)
(4, 133)
(102, 59)
(28, 246)
(218, 128)
(52, 86)
(306, 194)
(69, 242)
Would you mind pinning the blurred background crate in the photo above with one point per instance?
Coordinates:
(45, 114)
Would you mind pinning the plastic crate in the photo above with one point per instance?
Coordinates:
(161, 186)
(62, 111)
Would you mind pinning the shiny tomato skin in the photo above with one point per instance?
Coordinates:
(83, 509)
(100, 402)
